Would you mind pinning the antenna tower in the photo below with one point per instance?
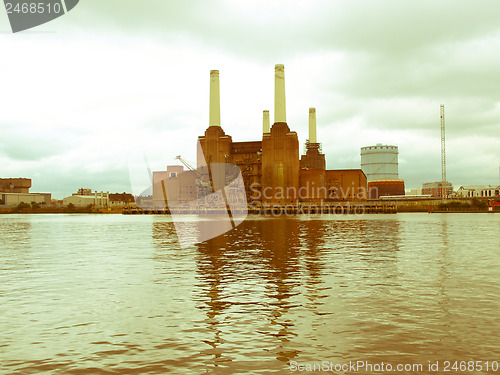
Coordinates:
(443, 155)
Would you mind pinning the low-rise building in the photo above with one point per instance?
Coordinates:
(17, 190)
(437, 189)
(478, 191)
(97, 200)
(385, 187)
(413, 191)
(122, 200)
(13, 199)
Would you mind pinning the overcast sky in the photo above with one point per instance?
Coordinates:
(80, 93)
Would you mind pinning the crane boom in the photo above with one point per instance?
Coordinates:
(188, 166)
(202, 181)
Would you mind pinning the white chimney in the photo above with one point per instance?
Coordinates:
(312, 125)
(266, 126)
(279, 93)
(214, 98)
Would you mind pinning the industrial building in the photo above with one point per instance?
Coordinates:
(479, 191)
(121, 200)
(15, 185)
(175, 183)
(85, 198)
(437, 189)
(385, 187)
(273, 171)
(17, 190)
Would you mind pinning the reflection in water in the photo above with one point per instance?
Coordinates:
(16, 257)
(280, 247)
(442, 279)
(293, 273)
(312, 234)
(215, 275)
(124, 297)
(364, 256)
(239, 275)
(18, 233)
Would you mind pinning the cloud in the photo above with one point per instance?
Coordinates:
(24, 143)
(387, 27)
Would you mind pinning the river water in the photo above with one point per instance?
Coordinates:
(113, 294)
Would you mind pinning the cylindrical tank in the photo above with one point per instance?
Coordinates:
(380, 188)
(380, 162)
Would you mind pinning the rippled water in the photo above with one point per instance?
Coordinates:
(92, 294)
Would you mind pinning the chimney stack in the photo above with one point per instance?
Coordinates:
(266, 124)
(312, 125)
(214, 98)
(279, 93)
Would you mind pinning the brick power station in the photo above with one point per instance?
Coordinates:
(273, 171)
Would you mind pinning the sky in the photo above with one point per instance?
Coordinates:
(83, 95)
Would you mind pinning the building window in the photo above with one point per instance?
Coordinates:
(173, 174)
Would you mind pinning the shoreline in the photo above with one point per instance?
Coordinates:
(163, 212)
(41, 211)
(341, 207)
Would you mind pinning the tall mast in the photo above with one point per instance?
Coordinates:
(443, 155)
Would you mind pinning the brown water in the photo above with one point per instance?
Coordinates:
(90, 294)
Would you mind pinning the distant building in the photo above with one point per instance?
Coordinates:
(16, 190)
(13, 199)
(437, 190)
(15, 185)
(97, 200)
(414, 191)
(385, 187)
(121, 200)
(179, 186)
(83, 191)
(478, 191)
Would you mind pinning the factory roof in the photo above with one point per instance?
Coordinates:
(387, 180)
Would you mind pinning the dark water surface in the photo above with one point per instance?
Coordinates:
(105, 294)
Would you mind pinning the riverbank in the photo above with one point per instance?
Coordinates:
(473, 205)
(59, 210)
(463, 205)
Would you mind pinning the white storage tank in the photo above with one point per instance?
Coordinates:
(380, 162)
